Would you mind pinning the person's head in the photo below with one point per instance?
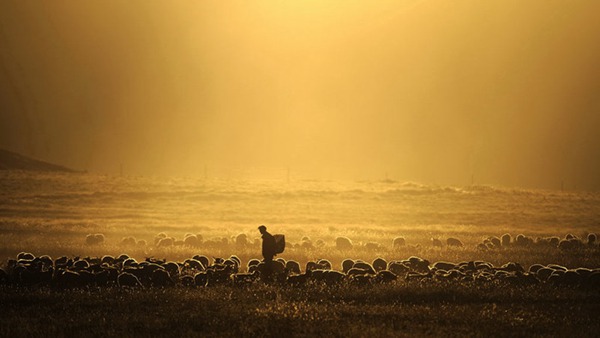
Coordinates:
(262, 229)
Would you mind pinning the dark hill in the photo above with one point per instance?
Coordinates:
(14, 161)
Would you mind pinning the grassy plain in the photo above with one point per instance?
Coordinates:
(52, 214)
(401, 309)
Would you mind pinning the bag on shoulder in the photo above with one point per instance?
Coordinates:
(279, 243)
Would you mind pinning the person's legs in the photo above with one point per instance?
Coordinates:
(268, 268)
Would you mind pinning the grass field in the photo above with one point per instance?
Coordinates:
(52, 214)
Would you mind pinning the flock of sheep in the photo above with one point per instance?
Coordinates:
(570, 242)
(199, 271)
(242, 241)
(28, 270)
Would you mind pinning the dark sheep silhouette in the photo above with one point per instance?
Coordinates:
(398, 242)
(127, 279)
(379, 264)
(451, 241)
(347, 264)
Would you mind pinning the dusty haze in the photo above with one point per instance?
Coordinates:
(504, 92)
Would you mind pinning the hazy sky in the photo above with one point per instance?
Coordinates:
(430, 91)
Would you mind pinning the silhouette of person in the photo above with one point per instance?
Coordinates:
(269, 249)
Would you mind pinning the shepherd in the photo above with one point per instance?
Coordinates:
(269, 247)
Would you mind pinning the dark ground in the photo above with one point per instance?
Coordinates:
(400, 309)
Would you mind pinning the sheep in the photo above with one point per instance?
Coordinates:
(446, 266)
(61, 261)
(81, 264)
(379, 264)
(584, 272)
(547, 241)
(236, 259)
(233, 264)
(557, 267)
(332, 277)
(218, 276)
(194, 264)
(126, 279)
(128, 241)
(451, 241)
(161, 278)
(385, 276)
(102, 278)
(506, 239)
(317, 275)
(252, 262)
(398, 242)
(534, 268)
(25, 255)
(45, 260)
(481, 265)
(201, 278)
(130, 262)
(324, 264)
(203, 259)
(244, 278)
(467, 266)
(512, 267)
(496, 241)
(436, 243)
(94, 239)
(565, 244)
(347, 265)
(108, 259)
(523, 241)
(299, 279)
(591, 239)
(172, 268)
(68, 279)
(554, 241)
(191, 241)
(570, 244)
(241, 241)
(398, 268)
(343, 243)
(292, 267)
(311, 266)
(364, 266)
(158, 237)
(361, 280)
(417, 264)
(122, 257)
(359, 271)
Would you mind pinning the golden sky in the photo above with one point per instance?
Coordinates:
(430, 91)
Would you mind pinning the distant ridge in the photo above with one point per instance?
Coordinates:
(13, 161)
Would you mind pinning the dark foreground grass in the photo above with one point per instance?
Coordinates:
(400, 309)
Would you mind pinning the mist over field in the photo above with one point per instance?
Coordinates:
(60, 209)
(496, 92)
